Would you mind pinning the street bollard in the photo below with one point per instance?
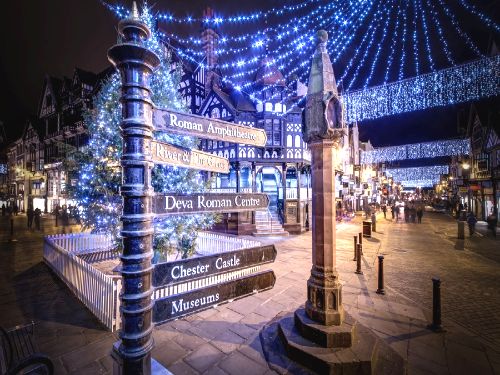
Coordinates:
(461, 230)
(436, 306)
(380, 289)
(374, 223)
(355, 247)
(12, 239)
(358, 261)
(360, 240)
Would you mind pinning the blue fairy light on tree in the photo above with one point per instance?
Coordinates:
(97, 168)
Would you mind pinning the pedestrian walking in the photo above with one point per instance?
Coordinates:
(471, 221)
(406, 211)
(396, 212)
(492, 222)
(393, 209)
(30, 214)
(16, 209)
(3, 209)
(413, 213)
(64, 218)
(38, 213)
(384, 210)
(420, 213)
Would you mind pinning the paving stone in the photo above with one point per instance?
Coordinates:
(464, 360)
(254, 320)
(87, 354)
(169, 352)
(181, 368)
(164, 333)
(189, 341)
(215, 370)
(227, 341)
(237, 363)
(92, 368)
(243, 330)
(204, 357)
(210, 329)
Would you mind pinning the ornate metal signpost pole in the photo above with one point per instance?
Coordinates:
(135, 63)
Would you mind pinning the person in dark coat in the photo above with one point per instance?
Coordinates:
(471, 221)
(420, 213)
(3, 209)
(30, 214)
(384, 210)
(393, 210)
(38, 213)
(407, 213)
(492, 221)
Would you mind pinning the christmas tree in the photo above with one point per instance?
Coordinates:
(98, 172)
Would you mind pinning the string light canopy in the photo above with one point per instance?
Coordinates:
(418, 176)
(399, 39)
(452, 147)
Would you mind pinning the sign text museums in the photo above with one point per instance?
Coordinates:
(164, 153)
(177, 305)
(171, 204)
(209, 128)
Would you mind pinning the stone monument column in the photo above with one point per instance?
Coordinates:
(321, 336)
(322, 131)
(135, 62)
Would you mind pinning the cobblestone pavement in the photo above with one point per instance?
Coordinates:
(469, 271)
(225, 339)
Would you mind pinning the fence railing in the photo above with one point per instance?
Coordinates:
(70, 257)
(291, 193)
(97, 291)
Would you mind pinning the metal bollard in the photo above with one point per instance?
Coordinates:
(374, 223)
(12, 239)
(360, 240)
(436, 306)
(358, 261)
(355, 247)
(461, 230)
(380, 289)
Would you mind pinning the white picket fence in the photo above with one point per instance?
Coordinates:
(66, 254)
(98, 291)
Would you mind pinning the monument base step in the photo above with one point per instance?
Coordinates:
(286, 351)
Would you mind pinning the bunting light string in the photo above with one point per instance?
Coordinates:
(360, 47)
(437, 23)
(403, 49)
(486, 20)
(387, 16)
(415, 38)
(378, 18)
(425, 150)
(395, 33)
(123, 12)
(422, 13)
(450, 16)
(458, 84)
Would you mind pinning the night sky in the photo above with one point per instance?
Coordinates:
(55, 36)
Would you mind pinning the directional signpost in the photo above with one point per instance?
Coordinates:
(204, 127)
(177, 305)
(138, 310)
(201, 267)
(174, 204)
(165, 153)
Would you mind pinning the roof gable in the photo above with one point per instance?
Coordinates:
(49, 99)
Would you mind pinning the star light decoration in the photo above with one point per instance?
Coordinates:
(424, 150)
(418, 176)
